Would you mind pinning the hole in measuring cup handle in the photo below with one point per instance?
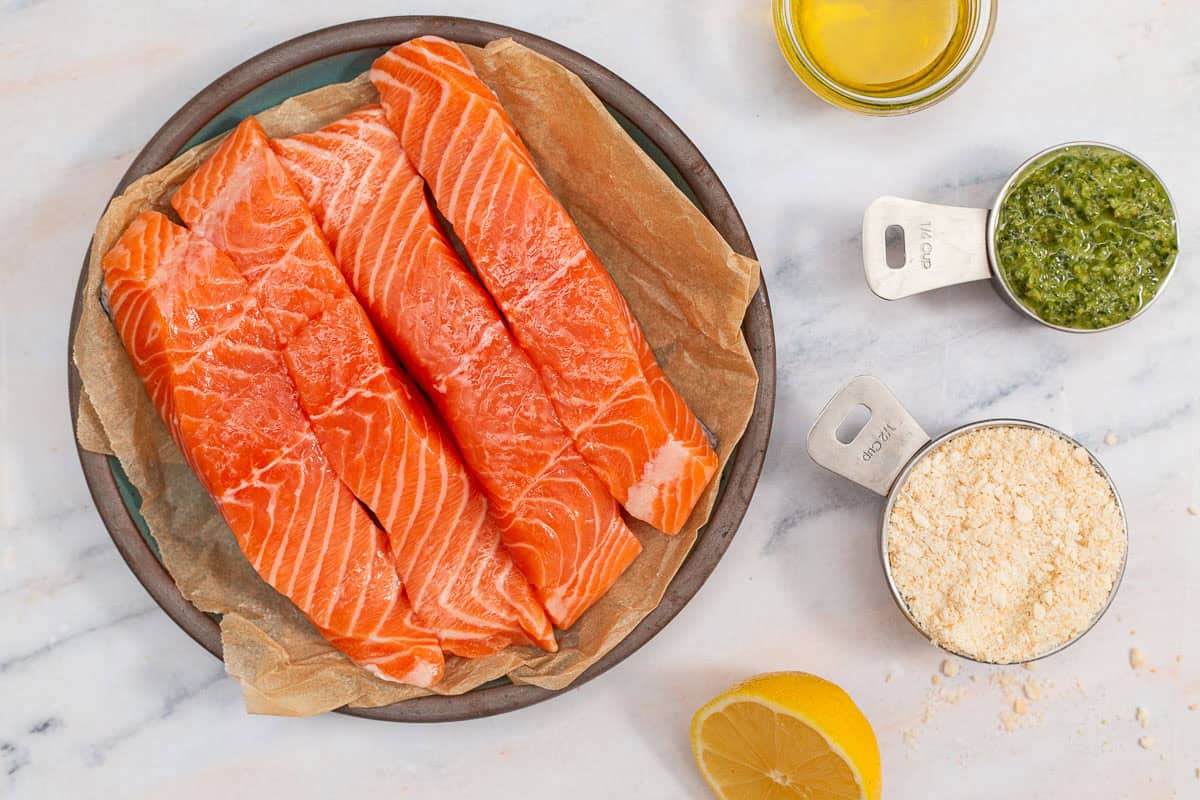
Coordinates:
(894, 247)
(853, 423)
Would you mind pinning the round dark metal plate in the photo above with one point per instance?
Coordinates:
(741, 474)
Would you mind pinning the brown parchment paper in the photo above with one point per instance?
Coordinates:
(686, 286)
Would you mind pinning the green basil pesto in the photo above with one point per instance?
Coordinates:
(1085, 238)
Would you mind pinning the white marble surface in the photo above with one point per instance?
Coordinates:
(102, 696)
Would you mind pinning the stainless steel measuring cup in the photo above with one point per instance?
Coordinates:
(887, 448)
(945, 245)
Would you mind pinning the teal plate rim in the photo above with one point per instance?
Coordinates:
(336, 54)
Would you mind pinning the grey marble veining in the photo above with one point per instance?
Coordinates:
(101, 695)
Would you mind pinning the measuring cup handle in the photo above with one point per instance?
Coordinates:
(943, 245)
(880, 450)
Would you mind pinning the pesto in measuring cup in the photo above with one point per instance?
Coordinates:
(1085, 238)
(1082, 238)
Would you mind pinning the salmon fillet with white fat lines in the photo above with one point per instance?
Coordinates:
(559, 521)
(211, 364)
(561, 304)
(378, 433)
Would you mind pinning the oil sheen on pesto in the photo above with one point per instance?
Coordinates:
(1085, 238)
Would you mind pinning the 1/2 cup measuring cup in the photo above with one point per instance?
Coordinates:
(947, 245)
(883, 454)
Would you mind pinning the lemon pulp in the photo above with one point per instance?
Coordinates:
(786, 736)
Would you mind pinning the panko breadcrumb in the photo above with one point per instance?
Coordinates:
(1005, 542)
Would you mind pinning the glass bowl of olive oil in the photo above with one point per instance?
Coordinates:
(884, 57)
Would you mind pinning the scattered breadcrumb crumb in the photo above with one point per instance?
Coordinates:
(1179, 659)
(1146, 742)
(949, 668)
(935, 679)
(1032, 690)
(1198, 772)
(1111, 438)
(954, 698)
(1019, 706)
(1133, 631)
(1194, 511)
(1009, 721)
(1005, 542)
(1136, 659)
(1143, 716)
(1030, 665)
(888, 678)
(1194, 707)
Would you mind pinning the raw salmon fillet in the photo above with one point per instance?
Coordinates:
(379, 435)
(211, 364)
(558, 520)
(561, 304)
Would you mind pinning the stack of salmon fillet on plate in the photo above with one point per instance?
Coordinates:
(427, 459)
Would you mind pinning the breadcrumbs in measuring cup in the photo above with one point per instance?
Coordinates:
(1005, 543)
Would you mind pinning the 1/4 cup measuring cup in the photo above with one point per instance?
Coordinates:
(947, 245)
(883, 454)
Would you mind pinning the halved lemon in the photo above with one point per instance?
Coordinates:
(786, 736)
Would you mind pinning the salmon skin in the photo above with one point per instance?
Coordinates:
(211, 364)
(558, 520)
(561, 304)
(379, 435)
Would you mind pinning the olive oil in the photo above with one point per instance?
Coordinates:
(875, 46)
(883, 56)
